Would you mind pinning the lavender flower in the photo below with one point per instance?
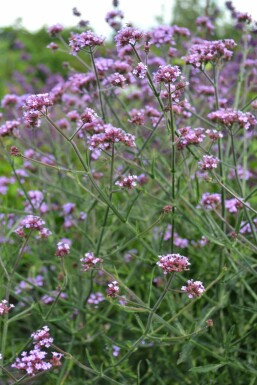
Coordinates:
(173, 263)
(193, 288)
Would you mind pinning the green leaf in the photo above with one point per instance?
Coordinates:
(206, 368)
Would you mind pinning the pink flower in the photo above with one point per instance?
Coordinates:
(113, 289)
(62, 249)
(208, 162)
(210, 201)
(127, 182)
(193, 288)
(167, 74)
(89, 261)
(4, 307)
(140, 71)
(128, 35)
(83, 40)
(42, 338)
(173, 263)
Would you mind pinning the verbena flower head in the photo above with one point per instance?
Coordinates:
(193, 288)
(128, 35)
(173, 263)
(62, 249)
(190, 135)
(140, 71)
(77, 41)
(210, 201)
(208, 162)
(9, 128)
(111, 135)
(233, 205)
(127, 182)
(42, 338)
(38, 102)
(116, 79)
(4, 307)
(32, 222)
(228, 117)
(54, 30)
(113, 289)
(89, 261)
(32, 362)
(167, 74)
(210, 52)
(95, 299)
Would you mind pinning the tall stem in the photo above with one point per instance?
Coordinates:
(98, 84)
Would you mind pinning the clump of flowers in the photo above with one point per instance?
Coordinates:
(110, 135)
(210, 201)
(140, 71)
(208, 162)
(4, 307)
(233, 205)
(87, 39)
(32, 222)
(89, 261)
(35, 106)
(95, 299)
(210, 52)
(10, 127)
(228, 117)
(36, 360)
(193, 288)
(116, 79)
(128, 35)
(173, 263)
(42, 338)
(113, 289)
(127, 182)
(167, 74)
(63, 248)
(190, 135)
(55, 29)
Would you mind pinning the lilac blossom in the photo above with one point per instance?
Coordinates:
(208, 162)
(228, 117)
(113, 289)
(127, 182)
(193, 288)
(173, 263)
(89, 261)
(5, 308)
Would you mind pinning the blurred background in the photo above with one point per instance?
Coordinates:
(23, 24)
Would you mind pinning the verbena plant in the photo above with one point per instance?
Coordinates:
(128, 244)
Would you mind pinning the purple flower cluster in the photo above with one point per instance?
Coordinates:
(35, 106)
(208, 162)
(10, 127)
(77, 41)
(193, 288)
(140, 71)
(109, 136)
(173, 263)
(113, 289)
(5, 307)
(228, 117)
(128, 35)
(32, 222)
(127, 182)
(36, 361)
(89, 261)
(190, 135)
(210, 52)
(63, 248)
